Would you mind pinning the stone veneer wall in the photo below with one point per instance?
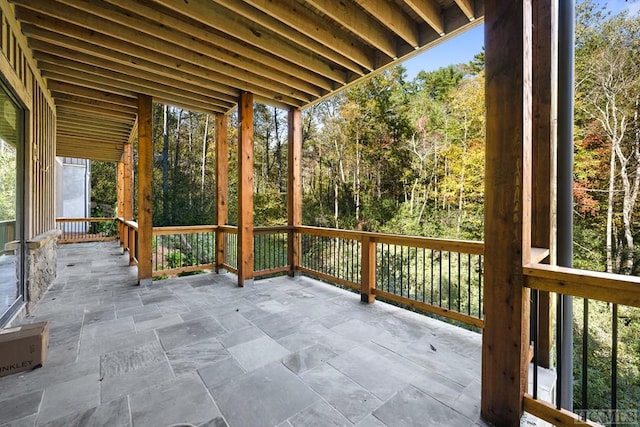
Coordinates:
(41, 265)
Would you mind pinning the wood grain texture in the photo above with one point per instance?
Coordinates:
(145, 193)
(294, 185)
(544, 141)
(222, 185)
(505, 345)
(245, 188)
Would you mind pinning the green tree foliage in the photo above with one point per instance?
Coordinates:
(7, 181)
(606, 186)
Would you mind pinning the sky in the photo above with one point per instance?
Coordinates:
(463, 47)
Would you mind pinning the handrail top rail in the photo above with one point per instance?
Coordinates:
(183, 229)
(131, 224)
(454, 245)
(6, 221)
(90, 219)
(597, 285)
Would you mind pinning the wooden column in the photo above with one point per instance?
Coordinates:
(127, 179)
(294, 186)
(245, 189)
(222, 186)
(544, 78)
(505, 339)
(120, 198)
(145, 170)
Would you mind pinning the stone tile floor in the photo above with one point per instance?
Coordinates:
(199, 350)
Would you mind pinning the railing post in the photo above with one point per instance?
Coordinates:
(125, 235)
(367, 269)
(132, 246)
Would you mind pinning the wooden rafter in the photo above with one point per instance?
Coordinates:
(202, 54)
(431, 12)
(394, 19)
(330, 42)
(359, 23)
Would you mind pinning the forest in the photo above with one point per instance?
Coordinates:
(405, 155)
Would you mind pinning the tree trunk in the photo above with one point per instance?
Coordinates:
(278, 153)
(610, 200)
(165, 166)
(336, 195)
(176, 165)
(205, 148)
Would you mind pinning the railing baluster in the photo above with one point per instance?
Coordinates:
(458, 281)
(450, 281)
(585, 356)
(534, 334)
(614, 363)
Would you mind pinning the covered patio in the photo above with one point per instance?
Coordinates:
(83, 76)
(200, 350)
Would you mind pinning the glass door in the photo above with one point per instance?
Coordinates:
(11, 224)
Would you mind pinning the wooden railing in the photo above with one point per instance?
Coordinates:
(7, 233)
(128, 232)
(227, 257)
(79, 230)
(184, 249)
(270, 250)
(611, 289)
(440, 276)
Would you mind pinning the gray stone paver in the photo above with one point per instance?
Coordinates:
(290, 352)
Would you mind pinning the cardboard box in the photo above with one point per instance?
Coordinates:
(23, 348)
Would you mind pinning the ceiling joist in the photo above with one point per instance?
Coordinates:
(98, 56)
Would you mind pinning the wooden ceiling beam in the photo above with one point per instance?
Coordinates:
(320, 75)
(88, 151)
(100, 77)
(70, 117)
(70, 35)
(94, 110)
(74, 23)
(59, 56)
(54, 48)
(90, 80)
(467, 8)
(292, 21)
(255, 34)
(109, 20)
(75, 128)
(394, 18)
(430, 11)
(74, 116)
(359, 23)
(98, 95)
(78, 132)
(280, 16)
(91, 102)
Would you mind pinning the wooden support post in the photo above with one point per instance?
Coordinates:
(544, 80)
(245, 189)
(120, 199)
(368, 270)
(505, 339)
(294, 186)
(127, 179)
(222, 186)
(145, 171)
